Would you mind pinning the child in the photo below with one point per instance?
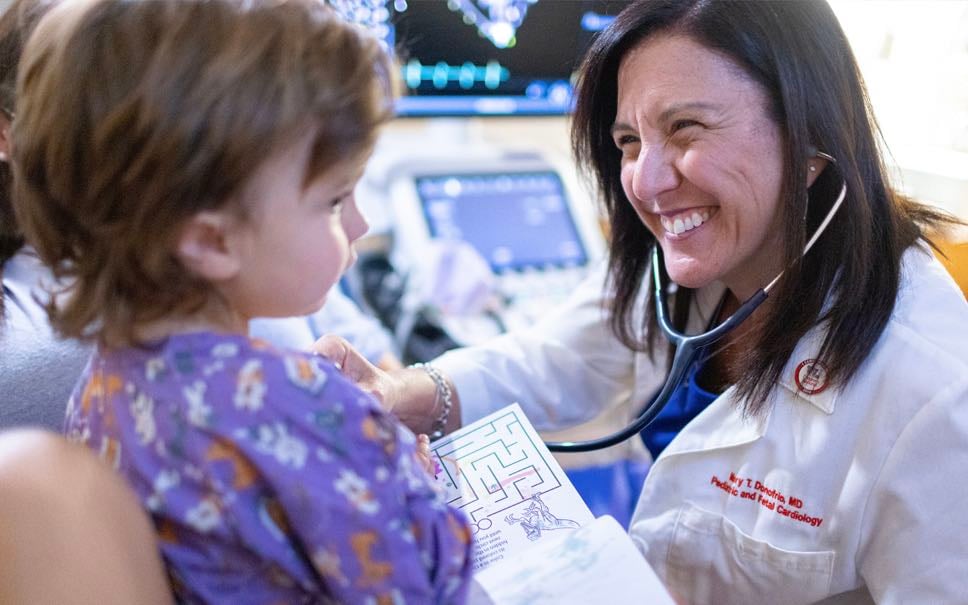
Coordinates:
(187, 165)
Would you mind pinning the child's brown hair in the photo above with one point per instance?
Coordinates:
(134, 116)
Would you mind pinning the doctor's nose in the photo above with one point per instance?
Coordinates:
(654, 173)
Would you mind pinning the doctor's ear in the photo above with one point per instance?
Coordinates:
(816, 164)
(206, 246)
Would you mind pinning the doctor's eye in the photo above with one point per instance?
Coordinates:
(628, 144)
(625, 139)
(680, 125)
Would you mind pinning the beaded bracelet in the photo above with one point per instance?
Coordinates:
(442, 393)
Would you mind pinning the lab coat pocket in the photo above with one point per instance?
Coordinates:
(712, 561)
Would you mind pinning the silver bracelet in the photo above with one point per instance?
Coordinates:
(442, 393)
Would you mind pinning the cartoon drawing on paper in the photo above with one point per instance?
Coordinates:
(537, 517)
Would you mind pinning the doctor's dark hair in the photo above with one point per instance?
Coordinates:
(796, 51)
(136, 116)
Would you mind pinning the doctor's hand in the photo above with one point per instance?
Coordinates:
(357, 368)
(409, 393)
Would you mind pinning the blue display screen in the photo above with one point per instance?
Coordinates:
(485, 57)
(514, 220)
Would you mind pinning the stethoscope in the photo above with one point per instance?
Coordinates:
(688, 348)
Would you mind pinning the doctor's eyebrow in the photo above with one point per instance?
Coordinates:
(620, 126)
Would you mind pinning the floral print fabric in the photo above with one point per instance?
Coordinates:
(269, 476)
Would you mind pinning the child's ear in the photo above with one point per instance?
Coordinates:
(204, 248)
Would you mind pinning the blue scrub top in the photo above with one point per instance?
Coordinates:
(684, 405)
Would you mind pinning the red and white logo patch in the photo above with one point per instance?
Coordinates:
(811, 376)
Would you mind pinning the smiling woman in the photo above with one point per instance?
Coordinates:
(705, 114)
(697, 140)
(728, 135)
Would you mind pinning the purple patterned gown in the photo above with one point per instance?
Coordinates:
(270, 477)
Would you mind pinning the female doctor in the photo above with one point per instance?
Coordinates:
(828, 456)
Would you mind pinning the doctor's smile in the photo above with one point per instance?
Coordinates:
(680, 223)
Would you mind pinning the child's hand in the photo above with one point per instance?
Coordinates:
(423, 455)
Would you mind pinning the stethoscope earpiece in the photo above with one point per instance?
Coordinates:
(816, 153)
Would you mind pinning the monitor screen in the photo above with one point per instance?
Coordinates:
(514, 220)
(485, 57)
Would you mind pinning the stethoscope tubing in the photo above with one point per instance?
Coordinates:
(687, 348)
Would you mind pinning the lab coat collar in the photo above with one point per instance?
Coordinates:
(724, 424)
(806, 377)
(803, 377)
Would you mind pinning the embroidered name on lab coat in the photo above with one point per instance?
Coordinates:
(747, 488)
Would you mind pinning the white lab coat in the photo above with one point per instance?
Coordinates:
(856, 494)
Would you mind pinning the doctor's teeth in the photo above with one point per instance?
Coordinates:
(684, 223)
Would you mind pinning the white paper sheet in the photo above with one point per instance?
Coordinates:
(507, 482)
(595, 564)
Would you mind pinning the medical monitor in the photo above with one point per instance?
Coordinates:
(515, 220)
(527, 218)
(485, 57)
(520, 212)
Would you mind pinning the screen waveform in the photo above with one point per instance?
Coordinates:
(466, 75)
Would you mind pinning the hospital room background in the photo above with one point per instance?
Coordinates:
(480, 221)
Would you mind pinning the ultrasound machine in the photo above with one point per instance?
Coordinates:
(521, 209)
(536, 233)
